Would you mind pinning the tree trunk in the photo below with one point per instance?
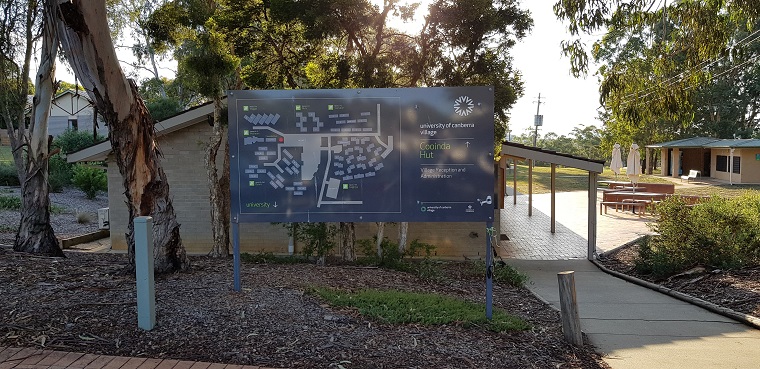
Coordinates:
(224, 185)
(87, 44)
(380, 231)
(35, 234)
(216, 195)
(348, 241)
(403, 230)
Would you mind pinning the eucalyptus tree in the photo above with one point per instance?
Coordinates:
(87, 45)
(21, 26)
(460, 43)
(658, 58)
(210, 66)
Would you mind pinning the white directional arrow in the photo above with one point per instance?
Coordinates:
(275, 204)
(467, 143)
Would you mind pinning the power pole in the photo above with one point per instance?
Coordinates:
(538, 120)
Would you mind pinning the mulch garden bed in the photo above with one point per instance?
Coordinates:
(86, 303)
(738, 290)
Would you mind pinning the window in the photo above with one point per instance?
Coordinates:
(737, 164)
(721, 164)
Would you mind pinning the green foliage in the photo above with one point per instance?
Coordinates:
(90, 180)
(161, 108)
(318, 238)
(270, 258)
(721, 233)
(8, 175)
(663, 75)
(71, 140)
(393, 259)
(10, 202)
(399, 307)
(59, 173)
(501, 274)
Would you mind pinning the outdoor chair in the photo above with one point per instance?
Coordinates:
(692, 174)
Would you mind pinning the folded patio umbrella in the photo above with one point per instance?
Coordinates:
(634, 164)
(617, 160)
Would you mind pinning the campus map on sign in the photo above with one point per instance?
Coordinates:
(362, 155)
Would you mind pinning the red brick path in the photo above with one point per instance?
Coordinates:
(28, 358)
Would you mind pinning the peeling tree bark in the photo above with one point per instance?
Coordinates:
(403, 231)
(379, 245)
(35, 234)
(87, 44)
(219, 229)
(347, 234)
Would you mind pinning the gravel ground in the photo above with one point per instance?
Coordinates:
(66, 206)
(86, 303)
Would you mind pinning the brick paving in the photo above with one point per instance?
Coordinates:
(530, 237)
(29, 358)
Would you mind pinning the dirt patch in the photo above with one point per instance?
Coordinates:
(738, 290)
(86, 303)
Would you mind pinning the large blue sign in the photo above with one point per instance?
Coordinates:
(413, 154)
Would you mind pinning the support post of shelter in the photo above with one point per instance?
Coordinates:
(514, 181)
(236, 253)
(530, 187)
(591, 215)
(553, 195)
(146, 287)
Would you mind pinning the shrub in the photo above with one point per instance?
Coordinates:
(71, 140)
(8, 175)
(90, 180)
(502, 273)
(319, 239)
(393, 259)
(59, 173)
(83, 218)
(721, 233)
(10, 202)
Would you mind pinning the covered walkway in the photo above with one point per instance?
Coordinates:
(529, 237)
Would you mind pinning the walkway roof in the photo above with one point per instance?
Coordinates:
(512, 149)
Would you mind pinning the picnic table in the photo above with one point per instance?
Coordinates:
(614, 184)
(630, 199)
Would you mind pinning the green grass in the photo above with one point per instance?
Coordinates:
(722, 190)
(270, 258)
(6, 157)
(10, 202)
(568, 179)
(14, 203)
(398, 307)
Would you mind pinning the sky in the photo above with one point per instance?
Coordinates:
(567, 102)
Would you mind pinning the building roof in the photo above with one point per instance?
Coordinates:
(198, 114)
(738, 143)
(528, 152)
(707, 142)
(694, 142)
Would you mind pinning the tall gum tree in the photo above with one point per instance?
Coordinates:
(31, 145)
(89, 49)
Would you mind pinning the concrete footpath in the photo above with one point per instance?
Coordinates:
(634, 327)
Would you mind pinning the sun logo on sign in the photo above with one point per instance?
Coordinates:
(463, 106)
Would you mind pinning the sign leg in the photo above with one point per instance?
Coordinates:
(236, 254)
(489, 270)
